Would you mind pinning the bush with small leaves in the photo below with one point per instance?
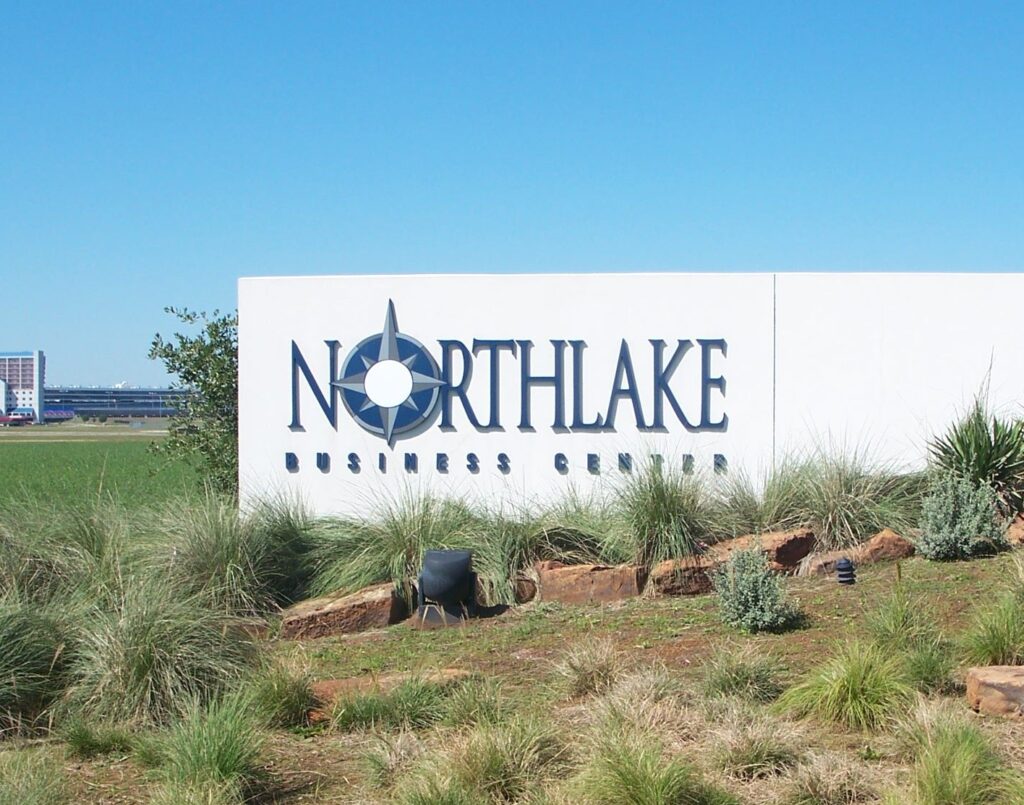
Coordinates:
(959, 520)
(750, 595)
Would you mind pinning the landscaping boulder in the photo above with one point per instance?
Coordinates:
(1015, 531)
(997, 690)
(689, 576)
(587, 584)
(525, 590)
(785, 549)
(372, 608)
(886, 545)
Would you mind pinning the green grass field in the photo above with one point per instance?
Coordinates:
(117, 465)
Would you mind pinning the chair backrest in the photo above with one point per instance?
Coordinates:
(447, 576)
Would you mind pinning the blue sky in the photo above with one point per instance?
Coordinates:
(152, 153)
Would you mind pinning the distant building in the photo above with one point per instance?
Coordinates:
(113, 401)
(22, 394)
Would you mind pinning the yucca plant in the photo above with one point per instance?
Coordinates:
(986, 450)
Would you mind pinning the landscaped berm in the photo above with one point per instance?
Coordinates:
(681, 640)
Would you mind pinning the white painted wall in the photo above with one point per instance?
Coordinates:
(869, 360)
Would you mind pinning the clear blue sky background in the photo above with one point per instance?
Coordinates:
(152, 153)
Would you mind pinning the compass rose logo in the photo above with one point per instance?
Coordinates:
(389, 382)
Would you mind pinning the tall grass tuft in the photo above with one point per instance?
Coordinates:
(414, 703)
(504, 762)
(589, 667)
(742, 671)
(633, 770)
(829, 779)
(391, 756)
(282, 696)
(86, 739)
(666, 513)
(848, 498)
(996, 635)
(30, 777)
(955, 764)
(473, 702)
(33, 659)
(905, 625)
(152, 651)
(777, 503)
(862, 687)
(246, 564)
(352, 553)
(214, 744)
(749, 745)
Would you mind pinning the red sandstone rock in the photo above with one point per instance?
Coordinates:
(1015, 531)
(785, 549)
(525, 590)
(372, 608)
(997, 690)
(682, 576)
(886, 545)
(587, 584)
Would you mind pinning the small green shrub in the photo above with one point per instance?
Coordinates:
(987, 452)
(996, 635)
(504, 762)
(958, 520)
(750, 595)
(589, 667)
(31, 778)
(86, 739)
(741, 671)
(283, 696)
(414, 703)
(217, 744)
(637, 772)
(863, 686)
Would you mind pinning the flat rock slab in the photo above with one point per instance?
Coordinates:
(327, 691)
(785, 549)
(372, 608)
(886, 545)
(587, 584)
(689, 576)
(997, 690)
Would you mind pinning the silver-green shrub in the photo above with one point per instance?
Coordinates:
(750, 595)
(959, 520)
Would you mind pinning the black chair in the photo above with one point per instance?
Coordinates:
(447, 585)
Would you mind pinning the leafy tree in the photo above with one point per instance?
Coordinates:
(205, 429)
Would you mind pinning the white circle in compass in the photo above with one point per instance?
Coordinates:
(388, 383)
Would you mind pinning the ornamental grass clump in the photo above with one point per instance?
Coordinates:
(31, 777)
(33, 663)
(741, 671)
(996, 634)
(589, 667)
(351, 553)
(665, 513)
(627, 769)
(847, 498)
(750, 595)
(863, 687)
(959, 520)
